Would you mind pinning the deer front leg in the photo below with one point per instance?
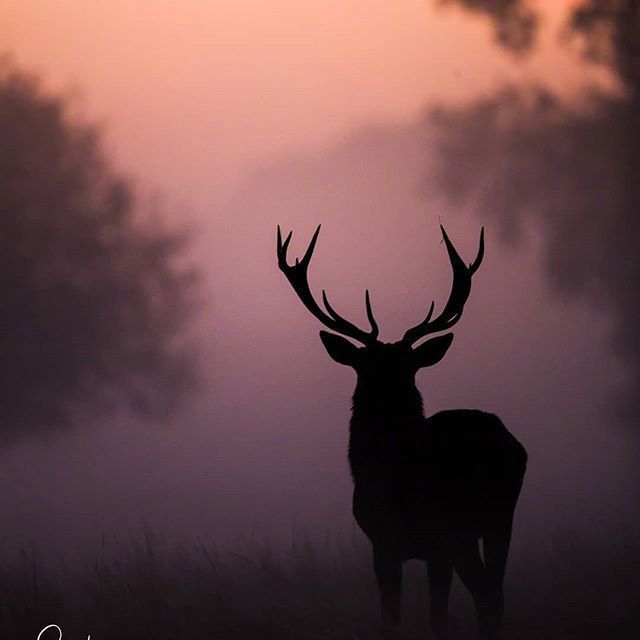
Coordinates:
(388, 569)
(440, 573)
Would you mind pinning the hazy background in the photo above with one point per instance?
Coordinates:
(248, 114)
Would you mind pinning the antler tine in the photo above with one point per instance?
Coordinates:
(282, 248)
(460, 289)
(372, 320)
(371, 335)
(473, 267)
(296, 274)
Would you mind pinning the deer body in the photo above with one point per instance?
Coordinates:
(425, 488)
(447, 476)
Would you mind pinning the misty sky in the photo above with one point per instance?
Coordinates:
(247, 114)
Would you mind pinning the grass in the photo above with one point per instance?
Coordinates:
(577, 587)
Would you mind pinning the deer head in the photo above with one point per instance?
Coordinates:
(380, 364)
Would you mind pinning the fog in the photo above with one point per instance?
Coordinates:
(264, 449)
(247, 123)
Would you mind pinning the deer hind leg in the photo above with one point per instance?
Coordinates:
(495, 547)
(474, 575)
(388, 569)
(440, 573)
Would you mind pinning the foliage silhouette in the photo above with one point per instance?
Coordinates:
(94, 295)
(608, 30)
(425, 488)
(525, 154)
(515, 21)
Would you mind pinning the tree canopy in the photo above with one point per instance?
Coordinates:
(525, 154)
(94, 295)
(608, 30)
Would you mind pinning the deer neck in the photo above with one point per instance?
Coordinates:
(383, 415)
(380, 425)
(375, 408)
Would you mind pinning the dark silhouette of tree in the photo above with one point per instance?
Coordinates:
(525, 154)
(608, 30)
(515, 22)
(92, 293)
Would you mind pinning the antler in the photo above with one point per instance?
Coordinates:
(297, 276)
(460, 290)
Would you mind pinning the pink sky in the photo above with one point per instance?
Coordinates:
(194, 92)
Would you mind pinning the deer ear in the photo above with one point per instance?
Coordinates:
(340, 349)
(432, 351)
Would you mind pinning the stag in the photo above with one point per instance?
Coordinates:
(424, 488)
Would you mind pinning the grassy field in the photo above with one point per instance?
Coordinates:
(576, 587)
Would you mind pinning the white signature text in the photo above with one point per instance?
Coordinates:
(53, 628)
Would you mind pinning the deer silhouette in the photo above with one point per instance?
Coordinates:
(425, 488)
